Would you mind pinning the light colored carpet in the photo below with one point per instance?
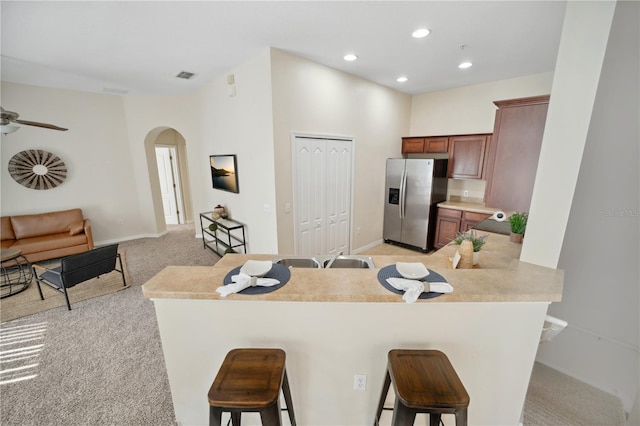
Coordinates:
(554, 398)
(100, 363)
(28, 302)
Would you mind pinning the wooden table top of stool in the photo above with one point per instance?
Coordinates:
(248, 378)
(426, 379)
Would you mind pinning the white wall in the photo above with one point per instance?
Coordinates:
(211, 122)
(242, 125)
(311, 98)
(470, 109)
(582, 46)
(600, 250)
(95, 150)
(147, 118)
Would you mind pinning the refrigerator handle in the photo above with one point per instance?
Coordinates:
(403, 187)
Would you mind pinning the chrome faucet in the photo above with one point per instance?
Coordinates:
(333, 259)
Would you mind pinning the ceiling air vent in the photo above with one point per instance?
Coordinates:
(185, 75)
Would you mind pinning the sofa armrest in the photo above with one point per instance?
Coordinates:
(88, 233)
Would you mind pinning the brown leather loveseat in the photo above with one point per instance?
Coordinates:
(47, 235)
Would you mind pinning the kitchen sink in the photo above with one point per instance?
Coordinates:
(299, 262)
(352, 262)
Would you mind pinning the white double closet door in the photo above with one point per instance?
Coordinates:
(322, 194)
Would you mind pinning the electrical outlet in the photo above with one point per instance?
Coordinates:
(360, 382)
(465, 193)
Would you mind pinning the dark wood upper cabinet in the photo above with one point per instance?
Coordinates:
(431, 145)
(467, 156)
(466, 153)
(436, 145)
(412, 145)
(514, 151)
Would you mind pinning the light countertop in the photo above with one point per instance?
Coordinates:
(500, 277)
(467, 206)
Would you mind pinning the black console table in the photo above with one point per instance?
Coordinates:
(222, 235)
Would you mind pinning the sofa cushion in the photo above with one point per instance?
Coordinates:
(76, 229)
(49, 242)
(37, 225)
(6, 230)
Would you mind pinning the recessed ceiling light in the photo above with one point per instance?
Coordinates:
(465, 65)
(421, 33)
(401, 79)
(350, 57)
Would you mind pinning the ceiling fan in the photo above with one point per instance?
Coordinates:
(7, 117)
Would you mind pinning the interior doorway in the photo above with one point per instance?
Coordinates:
(169, 176)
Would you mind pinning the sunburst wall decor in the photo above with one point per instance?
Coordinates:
(37, 169)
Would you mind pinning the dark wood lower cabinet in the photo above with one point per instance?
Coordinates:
(449, 222)
(469, 219)
(447, 225)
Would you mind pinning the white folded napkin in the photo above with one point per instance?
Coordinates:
(412, 288)
(242, 281)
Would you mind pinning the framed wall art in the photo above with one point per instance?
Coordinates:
(224, 172)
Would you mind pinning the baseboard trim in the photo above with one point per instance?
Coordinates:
(129, 238)
(367, 247)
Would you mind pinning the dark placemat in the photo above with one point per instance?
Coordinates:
(391, 272)
(279, 272)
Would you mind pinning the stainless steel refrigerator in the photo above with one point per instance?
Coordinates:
(413, 188)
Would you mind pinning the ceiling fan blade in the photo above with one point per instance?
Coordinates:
(44, 125)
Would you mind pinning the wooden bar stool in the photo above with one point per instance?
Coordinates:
(424, 382)
(250, 380)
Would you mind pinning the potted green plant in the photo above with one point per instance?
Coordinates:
(476, 240)
(518, 223)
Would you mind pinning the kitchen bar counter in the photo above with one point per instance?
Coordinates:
(336, 323)
(500, 277)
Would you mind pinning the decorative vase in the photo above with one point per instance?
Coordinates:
(476, 258)
(466, 255)
(219, 212)
(516, 238)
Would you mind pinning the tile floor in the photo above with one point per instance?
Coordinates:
(390, 249)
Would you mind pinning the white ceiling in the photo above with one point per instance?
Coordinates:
(139, 47)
